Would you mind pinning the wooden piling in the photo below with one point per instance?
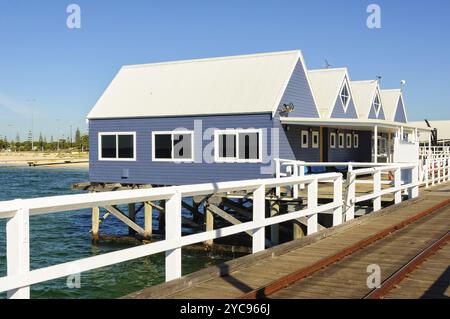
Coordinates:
(209, 223)
(162, 218)
(275, 229)
(95, 224)
(132, 216)
(148, 220)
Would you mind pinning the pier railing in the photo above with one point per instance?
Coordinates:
(18, 212)
(402, 177)
(434, 165)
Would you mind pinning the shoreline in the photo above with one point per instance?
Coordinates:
(54, 160)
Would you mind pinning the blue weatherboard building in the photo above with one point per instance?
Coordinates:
(224, 119)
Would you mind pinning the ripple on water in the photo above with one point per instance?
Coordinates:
(62, 237)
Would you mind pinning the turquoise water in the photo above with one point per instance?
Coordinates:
(62, 237)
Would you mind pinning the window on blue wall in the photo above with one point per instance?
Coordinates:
(341, 140)
(249, 146)
(172, 146)
(163, 146)
(305, 139)
(117, 146)
(243, 146)
(349, 140)
(332, 140)
(345, 96)
(108, 149)
(355, 141)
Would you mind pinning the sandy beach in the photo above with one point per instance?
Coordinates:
(54, 159)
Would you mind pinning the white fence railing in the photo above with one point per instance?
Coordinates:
(371, 174)
(19, 276)
(434, 165)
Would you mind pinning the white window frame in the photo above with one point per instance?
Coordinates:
(236, 133)
(339, 140)
(348, 97)
(304, 133)
(333, 145)
(172, 159)
(315, 145)
(116, 134)
(348, 138)
(355, 141)
(377, 111)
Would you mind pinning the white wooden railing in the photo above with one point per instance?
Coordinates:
(18, 212)
(434, 165)
(371, 173)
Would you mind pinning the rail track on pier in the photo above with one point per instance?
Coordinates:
(407, 242)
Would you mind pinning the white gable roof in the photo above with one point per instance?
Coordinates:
(326, 85)
(364, 94)
(229, 85)
(390, 102)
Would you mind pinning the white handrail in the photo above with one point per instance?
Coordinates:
(20, 277)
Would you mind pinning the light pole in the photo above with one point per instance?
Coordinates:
(57, 133)
(32, 101)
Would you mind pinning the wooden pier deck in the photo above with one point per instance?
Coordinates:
(333, 262)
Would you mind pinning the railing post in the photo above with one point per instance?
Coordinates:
(259, 214)
(337, 200)
(18, 249)
(350, 196)
(296, 186)
(377, 190)
(413, 191)
(312, 219)
(426, 169)
(277, 175)
(301, 173)
(173, 231)
(397, 185)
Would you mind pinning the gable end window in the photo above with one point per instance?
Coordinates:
(377, 103)
(173, 146)
(117, 146)
(345, 96)
(242, 146)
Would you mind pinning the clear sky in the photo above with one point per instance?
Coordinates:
(59, 73)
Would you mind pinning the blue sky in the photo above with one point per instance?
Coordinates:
(60, 73)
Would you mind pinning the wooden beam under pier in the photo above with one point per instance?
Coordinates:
(124, 218)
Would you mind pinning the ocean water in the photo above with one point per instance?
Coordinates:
(62, 237)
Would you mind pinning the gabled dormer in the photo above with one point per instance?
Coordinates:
(369, 103)
(333, 93)
(394, 105)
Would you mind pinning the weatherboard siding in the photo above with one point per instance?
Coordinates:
(339, 112)
(299, 93)
(361, 154)
(146, 171)
(400, 115)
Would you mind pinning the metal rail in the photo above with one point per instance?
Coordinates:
(302, 273)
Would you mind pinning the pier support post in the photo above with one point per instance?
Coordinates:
(275, 229)
(95, 224)
(132, 216)
(209, 223)
(162, 218)
(148, 220)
